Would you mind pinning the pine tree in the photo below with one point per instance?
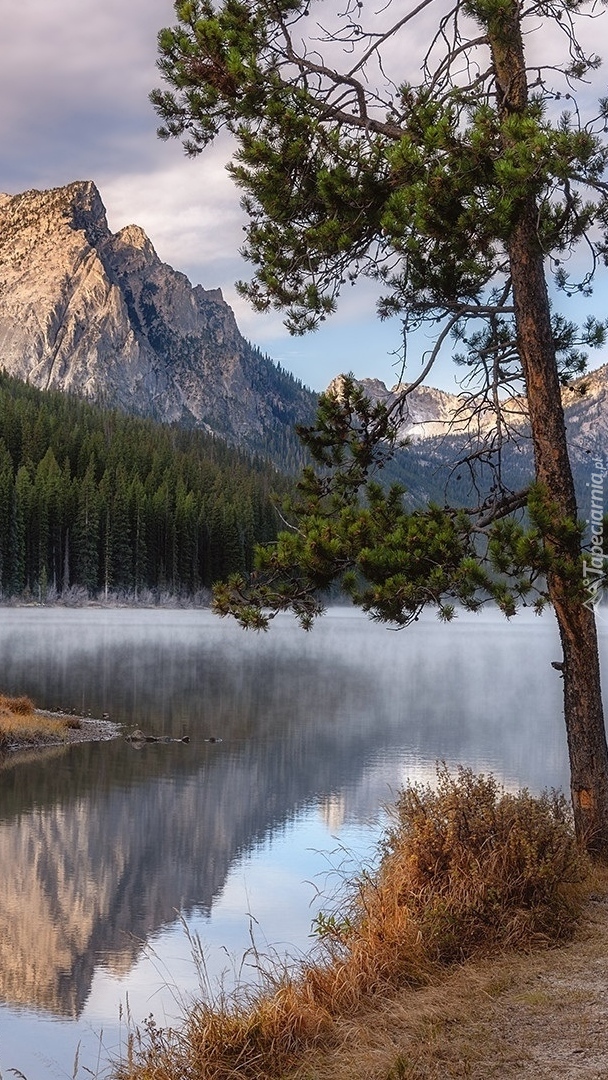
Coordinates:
(458, 193)
(86, 532)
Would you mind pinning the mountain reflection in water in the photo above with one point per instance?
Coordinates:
(102, 845)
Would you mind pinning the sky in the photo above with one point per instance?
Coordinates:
(74, 82)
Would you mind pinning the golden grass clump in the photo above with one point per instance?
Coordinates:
(20, 723)
(261, 1040)
(254, 1036)
(465, 867)
(21, 706)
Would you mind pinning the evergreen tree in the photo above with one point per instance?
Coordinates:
(457, 192)
(119, 539)
(86, 532)
(46, 524)
(19, 549)
(138, 519)
(7, 484)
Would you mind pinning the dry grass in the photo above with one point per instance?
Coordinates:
(466, 869)
(532, 1015)
(21, 724)
(476, 867)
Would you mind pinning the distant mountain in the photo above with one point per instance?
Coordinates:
(98, 314)
(428, 413)
(438, 427)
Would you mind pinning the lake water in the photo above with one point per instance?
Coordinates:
(114, 859)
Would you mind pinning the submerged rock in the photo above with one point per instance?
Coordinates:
(138, 736)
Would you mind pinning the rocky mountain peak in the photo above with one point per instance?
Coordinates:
(134, 236)
(77, 206)
(88, 211)
(427, 412)
(99, 314)
(424, 413)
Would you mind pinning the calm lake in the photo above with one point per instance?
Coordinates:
(114, 859)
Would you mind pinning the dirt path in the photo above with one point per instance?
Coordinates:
(541, 1016)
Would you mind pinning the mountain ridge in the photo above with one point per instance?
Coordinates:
(440, 430)
(99, 314)
(430, 413)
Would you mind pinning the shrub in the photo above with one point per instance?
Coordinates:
(477, 866)
(21, 724)
(20, 706)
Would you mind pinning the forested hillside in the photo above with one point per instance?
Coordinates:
(108, 502)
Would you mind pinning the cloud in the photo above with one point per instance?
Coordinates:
(74, 82)
(189, 209)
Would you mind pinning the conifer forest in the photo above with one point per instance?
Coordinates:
(94, 501)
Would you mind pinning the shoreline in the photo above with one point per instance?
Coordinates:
(85, 729)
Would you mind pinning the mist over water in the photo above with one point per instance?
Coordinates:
(107, 851)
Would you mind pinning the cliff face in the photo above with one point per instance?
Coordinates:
(98, 314)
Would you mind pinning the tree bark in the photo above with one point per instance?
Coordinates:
(583, 710)
(584, 716)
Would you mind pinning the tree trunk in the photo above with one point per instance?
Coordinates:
(583, 710)
(581, 671)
